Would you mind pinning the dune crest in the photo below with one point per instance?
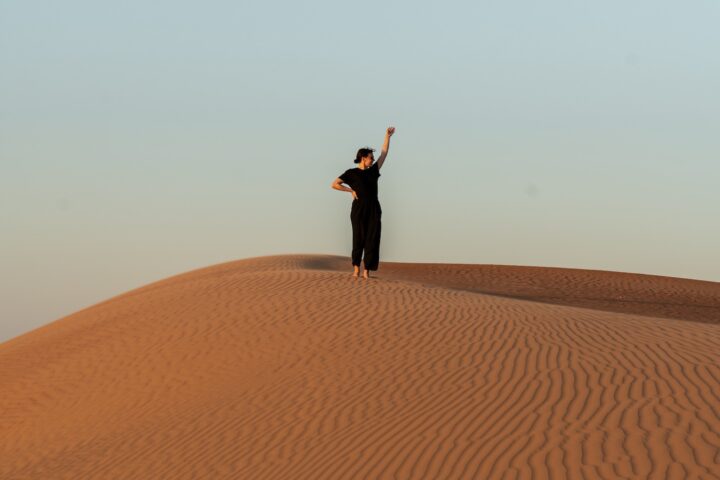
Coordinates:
(286, 367)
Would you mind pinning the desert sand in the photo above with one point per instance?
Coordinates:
(287, 367)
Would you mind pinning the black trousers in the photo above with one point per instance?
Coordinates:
(365, 218)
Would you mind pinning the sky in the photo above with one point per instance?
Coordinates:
(140, 140)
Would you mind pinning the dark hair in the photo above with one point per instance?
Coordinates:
(362, 153)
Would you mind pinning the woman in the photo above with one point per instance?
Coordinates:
(365, 212)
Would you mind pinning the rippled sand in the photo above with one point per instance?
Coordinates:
(287, 367)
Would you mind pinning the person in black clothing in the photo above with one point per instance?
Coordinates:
(365, 213)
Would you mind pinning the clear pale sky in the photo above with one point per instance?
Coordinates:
(140, 140)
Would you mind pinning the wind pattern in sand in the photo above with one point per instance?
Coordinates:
(286, 367)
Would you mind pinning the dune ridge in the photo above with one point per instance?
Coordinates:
(285, 366)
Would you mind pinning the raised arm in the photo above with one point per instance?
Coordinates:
(385, 147)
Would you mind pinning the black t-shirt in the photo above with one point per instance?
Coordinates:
(364, 182)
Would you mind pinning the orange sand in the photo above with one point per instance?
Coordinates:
(286, 367)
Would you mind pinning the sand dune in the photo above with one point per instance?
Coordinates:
(286, 367)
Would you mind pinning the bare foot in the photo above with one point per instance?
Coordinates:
(366, 274)
(356, 272)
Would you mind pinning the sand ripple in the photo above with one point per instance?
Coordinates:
(286, 367)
